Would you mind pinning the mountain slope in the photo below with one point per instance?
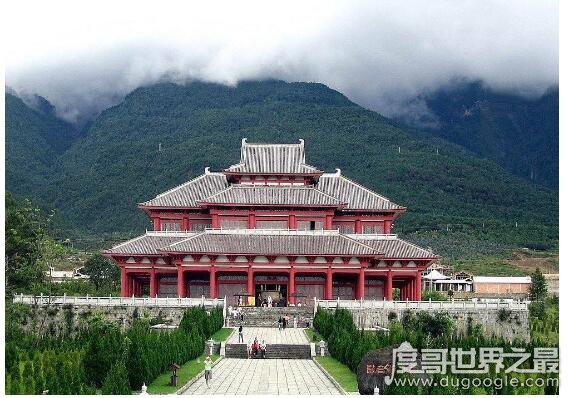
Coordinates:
(518, 133)
(34, 140)
(162, 135)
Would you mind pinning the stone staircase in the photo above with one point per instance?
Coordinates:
(273, 351)
(268, 317)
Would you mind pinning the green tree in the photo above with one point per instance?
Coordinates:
(28, 378)
(538, 290)
(102, 271)
(116, 381)
(24, 235)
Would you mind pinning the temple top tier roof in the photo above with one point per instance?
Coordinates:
(272, 159)
(322, 189)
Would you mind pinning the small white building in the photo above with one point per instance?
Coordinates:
(62, 276)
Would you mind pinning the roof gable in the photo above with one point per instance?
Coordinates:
(272, 159)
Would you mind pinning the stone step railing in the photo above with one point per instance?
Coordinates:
(268, 316)
(119, 301)
(451, 305)
(273, 351)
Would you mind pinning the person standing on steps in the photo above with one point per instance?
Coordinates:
(279, 323)
(241, 338)
(263, 350)
(208, 372)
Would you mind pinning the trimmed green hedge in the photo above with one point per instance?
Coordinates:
(82, 364)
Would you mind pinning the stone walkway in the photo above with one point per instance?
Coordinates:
(265, 376)
(271, 336)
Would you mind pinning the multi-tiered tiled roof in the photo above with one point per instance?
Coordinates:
(270, 242)
(280, 165)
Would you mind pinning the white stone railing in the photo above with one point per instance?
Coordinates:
(119, 301)
(452, 305)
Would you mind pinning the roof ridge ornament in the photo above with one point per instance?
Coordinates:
(243, 144)
(207, 172)
(337, 172)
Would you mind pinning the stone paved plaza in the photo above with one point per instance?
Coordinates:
(265, 376)
(271, 335)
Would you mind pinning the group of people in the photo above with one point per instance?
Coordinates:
(282, 322)
(256, 349)
(268, 301)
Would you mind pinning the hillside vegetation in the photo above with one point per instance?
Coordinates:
(520, 134)
(160, 136)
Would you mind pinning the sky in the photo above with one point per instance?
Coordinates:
(84, 56)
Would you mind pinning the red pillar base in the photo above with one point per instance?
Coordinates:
(388, 286)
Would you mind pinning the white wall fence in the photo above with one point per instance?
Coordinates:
(452, 305)
(120, 301)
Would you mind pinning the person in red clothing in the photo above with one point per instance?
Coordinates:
(255, 347)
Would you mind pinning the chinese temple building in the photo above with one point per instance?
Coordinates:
(271, 225)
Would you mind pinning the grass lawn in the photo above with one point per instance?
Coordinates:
(313, 336)
(341, 373)
(222, 334)
(161, 385)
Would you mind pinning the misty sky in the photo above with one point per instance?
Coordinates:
(84, 56)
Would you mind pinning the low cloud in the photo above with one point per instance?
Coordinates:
(381, 54)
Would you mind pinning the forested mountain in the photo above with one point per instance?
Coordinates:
(165, 134)
(520, 134)
(34, 140)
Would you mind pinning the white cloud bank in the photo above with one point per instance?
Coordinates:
(85, 56)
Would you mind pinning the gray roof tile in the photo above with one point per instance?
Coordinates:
(149, 243)
(283, 195)
(355, 195)
(393, 247)
(189, 193)
(263, 242)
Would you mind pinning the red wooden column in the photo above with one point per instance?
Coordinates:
(157, 224)
(215, 221)
(181, 289)
(358, 225)
(361, 284)
(411, 290)
(292, 286)
(250, 281)
(387, 226)
(292, 222)
(153, 292)
(251, 220)
(329, 285)
(419, 286)
(212, 282)
(329, 221)
(123, 282)
(388, 287)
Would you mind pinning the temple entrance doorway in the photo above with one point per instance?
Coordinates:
(278, 294)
